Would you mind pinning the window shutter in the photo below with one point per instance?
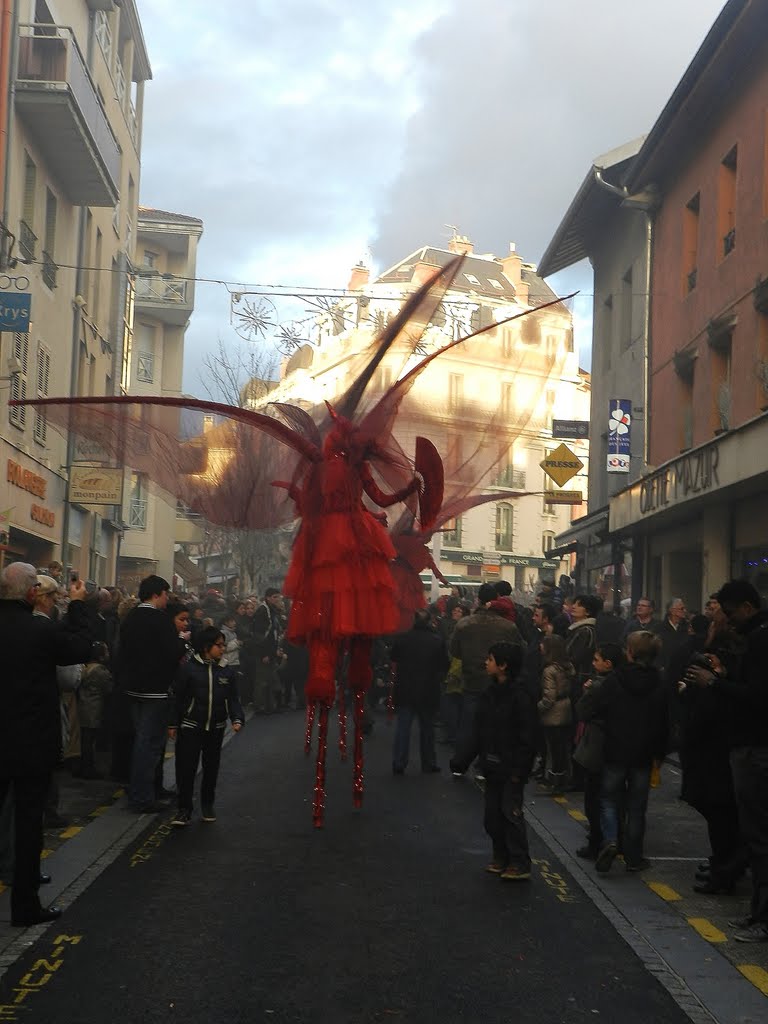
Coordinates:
(18, 416)
(43, 381)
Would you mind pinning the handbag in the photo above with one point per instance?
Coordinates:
(590, 750)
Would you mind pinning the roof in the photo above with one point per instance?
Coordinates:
(149, 213)
(728, 53)
(480, 275)
(591, 204)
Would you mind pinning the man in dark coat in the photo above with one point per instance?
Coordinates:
(30, 724)
(421, 660)
(266, 651)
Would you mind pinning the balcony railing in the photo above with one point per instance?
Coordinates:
(145, 367)
(49, 270)
(55, 91)
(729, 242)
(160, 288)
(511, 477)
(137, 514)
(27, 241)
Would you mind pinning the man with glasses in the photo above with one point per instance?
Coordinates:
(642, 619)
(30, 726)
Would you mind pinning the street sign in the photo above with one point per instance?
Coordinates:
(15, 309)
(561, 464)
(563, 497)
(570, 430)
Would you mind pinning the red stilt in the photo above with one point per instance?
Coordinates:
(357, 780)
(318, 806)
(342, 722)
(311, 712)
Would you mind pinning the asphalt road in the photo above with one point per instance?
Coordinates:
(385, 915)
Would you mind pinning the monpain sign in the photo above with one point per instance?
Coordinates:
(693, 474)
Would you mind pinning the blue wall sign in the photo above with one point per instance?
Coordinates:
(15, 310)
(619, 435)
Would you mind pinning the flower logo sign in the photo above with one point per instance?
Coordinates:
(619, 435)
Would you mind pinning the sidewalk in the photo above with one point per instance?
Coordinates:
(676, 841)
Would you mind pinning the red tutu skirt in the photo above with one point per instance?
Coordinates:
(340, 579)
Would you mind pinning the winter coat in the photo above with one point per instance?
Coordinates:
(555, 702)
(745, 687)
(471, 640)
(205, 696)
(422, 662)
(149, 654)
(632, 706)
(30, 723)
(704, 747)
(504, 735)
(95, 685)
(232, 650)
(580, 642)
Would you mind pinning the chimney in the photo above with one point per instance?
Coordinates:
(358, 278)
(461, 245)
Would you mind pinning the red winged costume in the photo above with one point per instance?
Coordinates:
(324, 466)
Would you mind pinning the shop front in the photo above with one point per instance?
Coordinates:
(524, 572)
(30, 510)
(699, 519)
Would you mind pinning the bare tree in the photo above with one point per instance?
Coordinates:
(231, 369)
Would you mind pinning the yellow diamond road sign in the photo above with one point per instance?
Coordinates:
(561, 464)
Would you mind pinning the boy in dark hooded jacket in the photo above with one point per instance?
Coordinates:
(632, 705)
(504, 738)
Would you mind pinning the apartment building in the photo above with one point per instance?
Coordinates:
(491, 401)
(70, 177)
(164, 297)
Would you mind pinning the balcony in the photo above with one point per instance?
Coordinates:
(164, 296)
(49, 271)
(57, 99)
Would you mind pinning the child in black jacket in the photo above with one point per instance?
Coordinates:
(504, 738)
(205, 696)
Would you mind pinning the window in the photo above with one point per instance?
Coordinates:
(504, 527)
(43, 383)
(549, 485)
(547, 541)
(472, 279)
(454, 456)
(27, 236)
(721, 387)
(507, 399)
(17, 416)
(149, 259)
(127, 340)
(691, 243)
(145, 354)
(726, 214)
(455, 392)
(137, 504)
(452, 533)
(97, 274)
(496, 284)
(49, 244)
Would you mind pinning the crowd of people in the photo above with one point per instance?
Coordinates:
(564, 692)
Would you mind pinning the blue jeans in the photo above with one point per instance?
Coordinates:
(150, 721)
(620, 782)
(401, 749)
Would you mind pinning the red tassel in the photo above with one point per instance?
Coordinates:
(357, 782)
(342, 723)
(318, 806)
(311, 712)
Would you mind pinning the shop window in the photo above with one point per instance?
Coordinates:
(691, 243)
(726, 213)
(504, 527)
(17, 415)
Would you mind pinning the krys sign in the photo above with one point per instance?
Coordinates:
(690, 475)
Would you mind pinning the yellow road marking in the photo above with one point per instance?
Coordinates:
(560, 800)
(45, 853)
(756, 975)
(577, 815)
(118, 793)
(707, 930)
(70, 832)
(97, 812)
(3, 887)
(665, 891)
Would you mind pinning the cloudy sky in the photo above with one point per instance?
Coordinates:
(308, 134)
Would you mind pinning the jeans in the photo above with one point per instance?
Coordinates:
(402, 744)
(150, 721)
(750, 781)
(636, 781)
(191, 743)
(467, 720)
(558, 740)
(450, 713)
(505, 823)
